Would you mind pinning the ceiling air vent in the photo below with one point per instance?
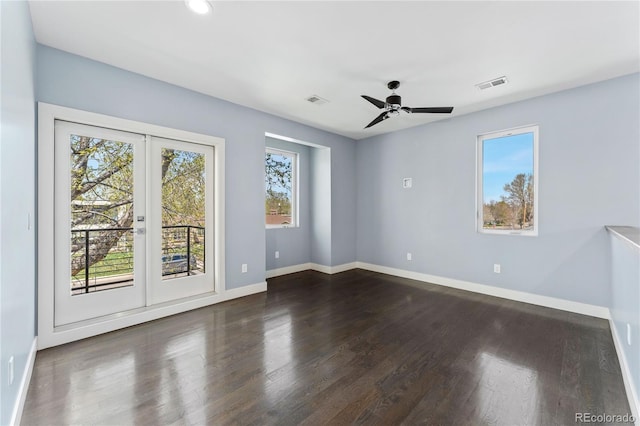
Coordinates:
(317, 100)
(492, 83)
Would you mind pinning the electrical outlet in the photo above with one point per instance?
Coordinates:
(244, 268)
(277, 255)
(407, 182)
(409, 256)
(629, 334)
(10, 366)
(496, 268)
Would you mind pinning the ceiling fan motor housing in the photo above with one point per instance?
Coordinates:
(394, 101)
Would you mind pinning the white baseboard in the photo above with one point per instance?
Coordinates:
(243, 291)
(504, 293)
(344, 267)
(627, 377)
(519, 296)
(288, 270)
(333, 269)
(77, 331)
(310, 266)
(16, 416)
(320, 268)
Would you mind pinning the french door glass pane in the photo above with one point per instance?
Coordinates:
(183, 213)
(102, 214)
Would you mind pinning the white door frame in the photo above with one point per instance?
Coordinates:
(48, 333)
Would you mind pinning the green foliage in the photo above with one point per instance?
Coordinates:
(497, 213)
(514, 208)
(183, 188)
(277, 202)
(278, 183)
(278, 172)
(520, 198)
(113, 262)
(102, 197)
(101, 181)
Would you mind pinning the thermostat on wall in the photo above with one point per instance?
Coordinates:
(407, 182)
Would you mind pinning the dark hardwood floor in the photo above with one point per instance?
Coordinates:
(356, 347)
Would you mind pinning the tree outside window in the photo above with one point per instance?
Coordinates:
(280, 186)
(507, 188)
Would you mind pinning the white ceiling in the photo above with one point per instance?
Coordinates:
(271, 56)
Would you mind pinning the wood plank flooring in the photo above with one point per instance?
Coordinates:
(351, 348)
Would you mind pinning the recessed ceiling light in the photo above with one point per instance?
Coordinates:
(201, 7)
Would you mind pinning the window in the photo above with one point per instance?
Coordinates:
(280, 188)
(508, 182)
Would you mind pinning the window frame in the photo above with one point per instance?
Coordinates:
(532, 128)
(294, 186)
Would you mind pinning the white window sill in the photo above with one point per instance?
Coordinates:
(514, 232)
(281, 226)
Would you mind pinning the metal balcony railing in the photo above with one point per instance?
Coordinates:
(100, 264)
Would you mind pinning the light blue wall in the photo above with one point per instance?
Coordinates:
(17, 189)
(625, 301)
(292, 243)
(588, 177)
(342, 220)
(321, 209)
(76, 82)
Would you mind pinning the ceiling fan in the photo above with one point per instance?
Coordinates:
(393, 105)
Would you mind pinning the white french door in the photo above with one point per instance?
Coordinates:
(134, 221)
(181, 231)
(99, 211)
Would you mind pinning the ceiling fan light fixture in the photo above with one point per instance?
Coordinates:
(201, 7)
(393, 105)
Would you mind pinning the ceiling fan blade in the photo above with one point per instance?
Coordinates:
(406, 109)
(436, 110)
(374, 101)
(378, 119)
